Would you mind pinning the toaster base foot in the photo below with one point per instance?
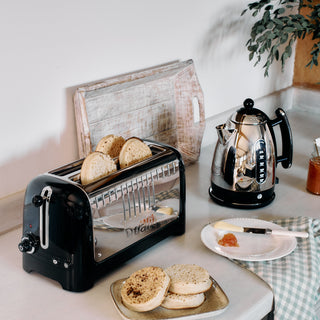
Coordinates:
(241, 200)
(70, 280)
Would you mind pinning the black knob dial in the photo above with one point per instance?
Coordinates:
(37, 200)
(248, 103)
(28, 244)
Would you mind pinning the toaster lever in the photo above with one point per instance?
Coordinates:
(37, 200)
(44, 217)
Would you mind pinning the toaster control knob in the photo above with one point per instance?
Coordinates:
(28, 244)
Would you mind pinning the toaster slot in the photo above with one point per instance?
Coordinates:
(71, 172)
(129, 210)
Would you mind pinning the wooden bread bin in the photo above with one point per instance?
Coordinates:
(157, 103)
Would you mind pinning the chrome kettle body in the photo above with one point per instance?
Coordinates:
(245, 157)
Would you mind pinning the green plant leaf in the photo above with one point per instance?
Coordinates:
(288, 51)
(244, 11)
(276, 30)
(283, 38)
(279, 11)
(269, 7)
(270, 35)
(270, 25)
(290, 29)
(278, 21)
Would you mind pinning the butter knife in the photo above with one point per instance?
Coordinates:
(277, 232)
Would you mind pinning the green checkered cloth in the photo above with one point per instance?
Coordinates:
(294, 279)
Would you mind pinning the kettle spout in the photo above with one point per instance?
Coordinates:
(224, 134)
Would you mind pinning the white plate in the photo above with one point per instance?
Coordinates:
(252, 247)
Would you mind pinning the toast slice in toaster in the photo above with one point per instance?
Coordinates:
(111, 145)
(133, 151)
(95, 166)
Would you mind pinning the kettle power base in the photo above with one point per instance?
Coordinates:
(241, 200)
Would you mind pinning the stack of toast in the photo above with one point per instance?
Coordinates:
(180, 286)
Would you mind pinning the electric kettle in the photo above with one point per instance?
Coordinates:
(245, 157)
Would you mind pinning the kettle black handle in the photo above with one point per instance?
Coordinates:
(286, 135)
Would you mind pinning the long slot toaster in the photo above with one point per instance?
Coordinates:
(75, 234)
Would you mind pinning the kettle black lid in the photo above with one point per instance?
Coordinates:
(249, 115)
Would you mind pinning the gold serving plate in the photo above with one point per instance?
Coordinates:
(215, 303)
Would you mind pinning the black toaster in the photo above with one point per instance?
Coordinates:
(75, 234)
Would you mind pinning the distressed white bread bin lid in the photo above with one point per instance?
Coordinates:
(159, 103)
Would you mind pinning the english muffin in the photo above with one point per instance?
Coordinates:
(182, 301)
(188, 279)
(133, 151)
(110, 145)
(145, 289)
(95, 166)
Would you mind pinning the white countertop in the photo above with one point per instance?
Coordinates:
(32, 296)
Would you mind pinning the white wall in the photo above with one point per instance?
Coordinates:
(49, 48)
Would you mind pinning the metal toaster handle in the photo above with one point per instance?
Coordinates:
(44, 217)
